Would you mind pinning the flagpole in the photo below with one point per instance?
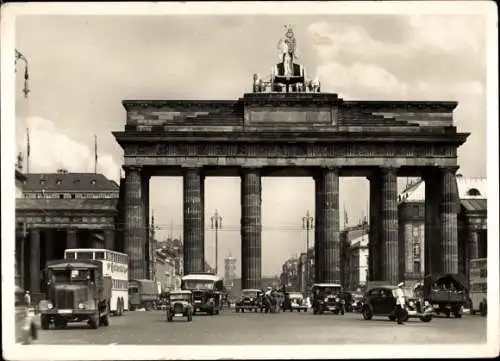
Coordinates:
(95, 154)
(28, 150)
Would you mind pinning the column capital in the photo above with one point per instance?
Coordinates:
(388, 170)
(451, 169)
(131, 168)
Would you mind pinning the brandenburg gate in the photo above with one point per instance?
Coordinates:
(288, 127)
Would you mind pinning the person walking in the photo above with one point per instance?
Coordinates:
(27, 298)
(400, 303)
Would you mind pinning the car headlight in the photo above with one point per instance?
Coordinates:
(211, 300)
(411, 304)
(50, 306)
(326, 299)
(337, 299)
(426, 303)
(81, 306)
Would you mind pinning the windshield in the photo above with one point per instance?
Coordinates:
(250, 293)
(75, 275)
(198, 285)
(180, 297)
(329, 290)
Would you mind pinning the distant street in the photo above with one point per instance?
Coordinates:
(256, 328)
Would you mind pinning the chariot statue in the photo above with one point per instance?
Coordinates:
(287, 75)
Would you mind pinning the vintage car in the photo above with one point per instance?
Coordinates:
(327, 297)
(447, 293)
(380, 300)
(250, 300)
(180, 304)
(207, 290)
(297, 302)
(26, 329)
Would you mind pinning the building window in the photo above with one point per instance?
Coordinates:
(473, 192)
(58, 182)
(73, 196)
(61, 196)
(42, 181)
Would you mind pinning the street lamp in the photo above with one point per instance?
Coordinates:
(216, 224)
(20, 56)
(308, 225)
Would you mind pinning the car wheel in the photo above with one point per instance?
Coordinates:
(457, 314)
(336, 312)
(45, 322)
(305, 309)
(448, 313)
(367, 313)
(392, 318)
(60, 323)
(427, 318)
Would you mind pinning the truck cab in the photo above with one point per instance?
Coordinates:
(76, 292)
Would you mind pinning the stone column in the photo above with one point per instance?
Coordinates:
(49, 245)
(374, 231)
(328, 244)
(432, 252)
(449, 220)
(71, 238)
(34, 266)
(145, 203)
(194, 235)
(389, 231)
(251, 229)
(318, 226)
(109, 239)
(134, 223)
(473, 244)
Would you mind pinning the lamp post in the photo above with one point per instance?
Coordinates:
(20, 56)
(308, 225)
(216, 224)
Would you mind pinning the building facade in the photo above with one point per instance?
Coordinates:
(290, 274)
(59, 211)
(358, 270)
(471, 224)
(348, 253)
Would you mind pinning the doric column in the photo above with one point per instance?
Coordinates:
(134, 223)
(389, 232)
(194, 235)
(374, 231)
(473, 244)
(328, 244)
(251, 228)
(145, 203)
(34, 266)
(109, 239)
(432, 252)
(318, 225)
(71, 238)
(449, 220)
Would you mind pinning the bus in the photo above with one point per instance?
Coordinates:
(478, 286)
(115, 266)
(207, 290)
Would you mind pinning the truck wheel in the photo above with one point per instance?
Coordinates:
(104, 320)
(94, 321)
(427, 318)
(45, 322)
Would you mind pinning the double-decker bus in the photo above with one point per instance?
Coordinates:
(478, 286)
(115, 266)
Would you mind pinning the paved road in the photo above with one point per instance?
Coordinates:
(256, 328)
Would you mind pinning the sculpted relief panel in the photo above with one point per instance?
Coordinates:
(285, 150)
(266, 115)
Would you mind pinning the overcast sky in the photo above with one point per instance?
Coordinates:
(81, 67)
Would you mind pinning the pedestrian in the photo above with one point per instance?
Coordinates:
(400, 303)
(27, 298)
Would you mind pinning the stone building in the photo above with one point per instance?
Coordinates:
(305, 275)
(59, 211)
(358, 270)
(347, 236)
(472, 225)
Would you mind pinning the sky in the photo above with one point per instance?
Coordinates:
(82, 67)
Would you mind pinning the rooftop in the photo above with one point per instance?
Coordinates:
(69, 182)
(468, 189)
